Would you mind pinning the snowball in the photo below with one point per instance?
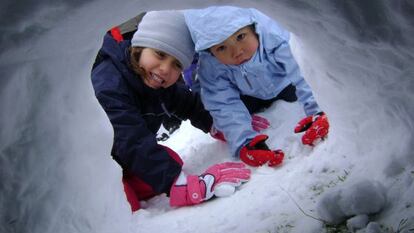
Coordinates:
(224, 190)
(357, 222)
(373, 227)
(328, 208)
(363, 197)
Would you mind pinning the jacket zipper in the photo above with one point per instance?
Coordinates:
(244, 74)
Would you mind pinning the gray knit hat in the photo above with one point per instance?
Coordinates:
(168, 32)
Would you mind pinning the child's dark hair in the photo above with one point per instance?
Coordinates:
(135, 55)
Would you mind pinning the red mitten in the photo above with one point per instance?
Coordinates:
(218, 180)
(316, 127)
(256, 153)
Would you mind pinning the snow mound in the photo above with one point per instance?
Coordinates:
(362, 198)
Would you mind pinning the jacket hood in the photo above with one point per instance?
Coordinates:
(213, 25)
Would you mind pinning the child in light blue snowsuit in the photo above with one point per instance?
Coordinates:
(245, 63)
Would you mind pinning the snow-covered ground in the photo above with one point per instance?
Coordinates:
(55, 167)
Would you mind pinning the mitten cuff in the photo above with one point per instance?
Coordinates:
(195, 194)
(187, 194)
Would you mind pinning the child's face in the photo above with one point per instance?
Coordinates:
(161, 69)
(238, 48)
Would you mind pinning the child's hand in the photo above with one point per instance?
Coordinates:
(256, 153)
(218, 180)
(316, 127)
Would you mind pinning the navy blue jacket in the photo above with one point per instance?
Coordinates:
(136, 113)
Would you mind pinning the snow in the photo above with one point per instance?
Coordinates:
(57, 174)
(363, 198)
(357, 222)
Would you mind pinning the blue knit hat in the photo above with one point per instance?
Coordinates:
(168, 32)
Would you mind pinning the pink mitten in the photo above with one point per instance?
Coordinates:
(259, 123)
(218, 180)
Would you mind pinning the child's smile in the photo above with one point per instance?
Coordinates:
(161, 69)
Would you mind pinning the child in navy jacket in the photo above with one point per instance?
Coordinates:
(135, 81)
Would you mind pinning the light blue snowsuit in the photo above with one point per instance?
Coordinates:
(264, 76)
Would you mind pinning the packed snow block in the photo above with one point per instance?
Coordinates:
(357, 222)
(328, 208)
(373, 227)
(362, 198)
